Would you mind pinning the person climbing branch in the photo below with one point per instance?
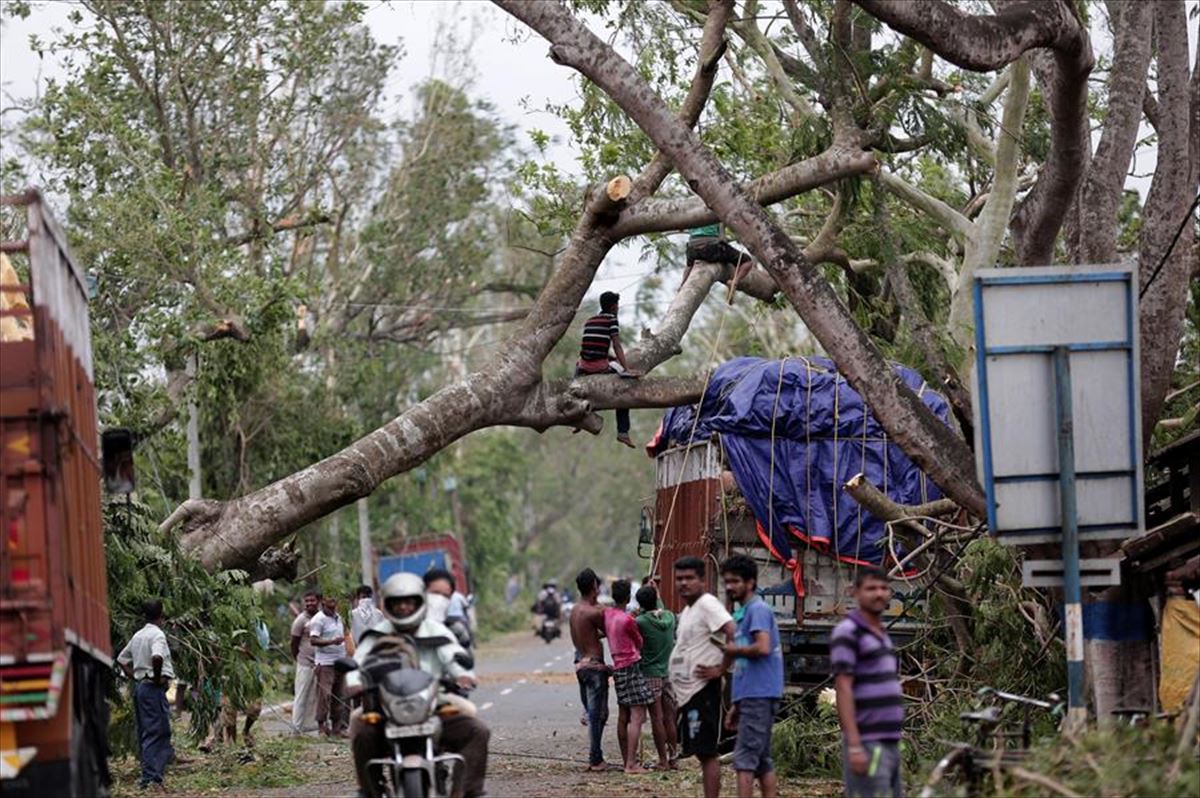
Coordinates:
(708, 244)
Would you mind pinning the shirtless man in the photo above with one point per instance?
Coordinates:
(587, 625)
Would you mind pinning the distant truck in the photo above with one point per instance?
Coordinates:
(55, 650)
(793, 432)
(421, 554)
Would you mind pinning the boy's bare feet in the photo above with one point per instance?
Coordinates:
(636, 769)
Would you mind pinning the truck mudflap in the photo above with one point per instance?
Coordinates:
(28, 691)
(12, 758)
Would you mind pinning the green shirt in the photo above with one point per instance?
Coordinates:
(658, 638)
(706, 231)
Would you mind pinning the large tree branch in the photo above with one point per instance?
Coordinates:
(712, 47)
(234, 533)
(953, 222)
(930, 444)
(983, 249)
(843, 159)
(575, 402)
(982, 43)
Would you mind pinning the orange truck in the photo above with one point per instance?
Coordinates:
(55, 647)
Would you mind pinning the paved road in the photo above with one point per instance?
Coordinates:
(529, 698)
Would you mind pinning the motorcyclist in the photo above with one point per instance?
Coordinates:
(549, 603)
(404, 610)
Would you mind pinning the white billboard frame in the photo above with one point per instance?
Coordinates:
(1021, 316)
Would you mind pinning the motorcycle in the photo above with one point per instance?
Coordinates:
(396, 692)
(549, 630)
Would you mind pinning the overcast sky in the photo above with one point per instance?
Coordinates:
(511, 70)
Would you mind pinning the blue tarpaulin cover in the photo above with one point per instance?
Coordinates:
(824, 434)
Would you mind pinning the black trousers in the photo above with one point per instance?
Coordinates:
(714, 250)
(622, 412)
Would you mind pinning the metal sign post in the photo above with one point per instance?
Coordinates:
(1072, 598)
(1058, 427)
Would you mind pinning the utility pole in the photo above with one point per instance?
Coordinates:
(195, 489)
(364, 542)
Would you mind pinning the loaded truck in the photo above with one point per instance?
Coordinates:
(55, 649)
(760, 472)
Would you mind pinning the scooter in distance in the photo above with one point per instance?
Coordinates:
(549, 630)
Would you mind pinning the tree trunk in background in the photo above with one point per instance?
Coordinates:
(195, 484)
(1172, 191)
(365, 552)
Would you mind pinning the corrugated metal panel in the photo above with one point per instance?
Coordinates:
(688, 464)
(685, 516)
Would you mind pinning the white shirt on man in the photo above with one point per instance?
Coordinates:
(694, 647)
(325, 627)
(364, 615)
(305, 651)
(147, 643)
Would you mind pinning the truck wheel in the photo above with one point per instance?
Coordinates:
(89, 724)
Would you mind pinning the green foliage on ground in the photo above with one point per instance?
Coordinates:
(940, 680)
(1125, 761)
(278, 762)
(210, 624)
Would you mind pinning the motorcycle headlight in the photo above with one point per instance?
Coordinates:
(411, 709)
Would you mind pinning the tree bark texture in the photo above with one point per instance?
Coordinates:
(1172, 191)
(930, 444)
(1100, 198)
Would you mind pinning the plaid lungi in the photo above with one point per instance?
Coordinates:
(632, 690)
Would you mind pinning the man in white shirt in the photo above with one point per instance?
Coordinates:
(146, 659)
(304, 697)
(328, 637)
(697, 664)
(365, 614)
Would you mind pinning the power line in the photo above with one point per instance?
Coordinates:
(1162, 262)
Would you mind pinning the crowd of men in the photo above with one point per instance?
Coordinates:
(665, 669)
(670, 670)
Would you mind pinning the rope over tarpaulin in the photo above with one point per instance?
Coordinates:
(823, 435)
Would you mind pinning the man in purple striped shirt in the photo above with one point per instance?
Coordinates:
(870, 703)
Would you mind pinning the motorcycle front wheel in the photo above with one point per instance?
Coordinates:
(413, 784)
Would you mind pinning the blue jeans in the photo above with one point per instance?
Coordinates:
(153, 716)
(593, 688)
(882, 779)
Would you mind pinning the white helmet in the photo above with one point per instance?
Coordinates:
(404, 585)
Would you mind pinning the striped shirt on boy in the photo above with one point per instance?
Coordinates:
(868, 656)
(598, 334)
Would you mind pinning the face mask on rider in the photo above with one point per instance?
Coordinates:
(437, 605)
